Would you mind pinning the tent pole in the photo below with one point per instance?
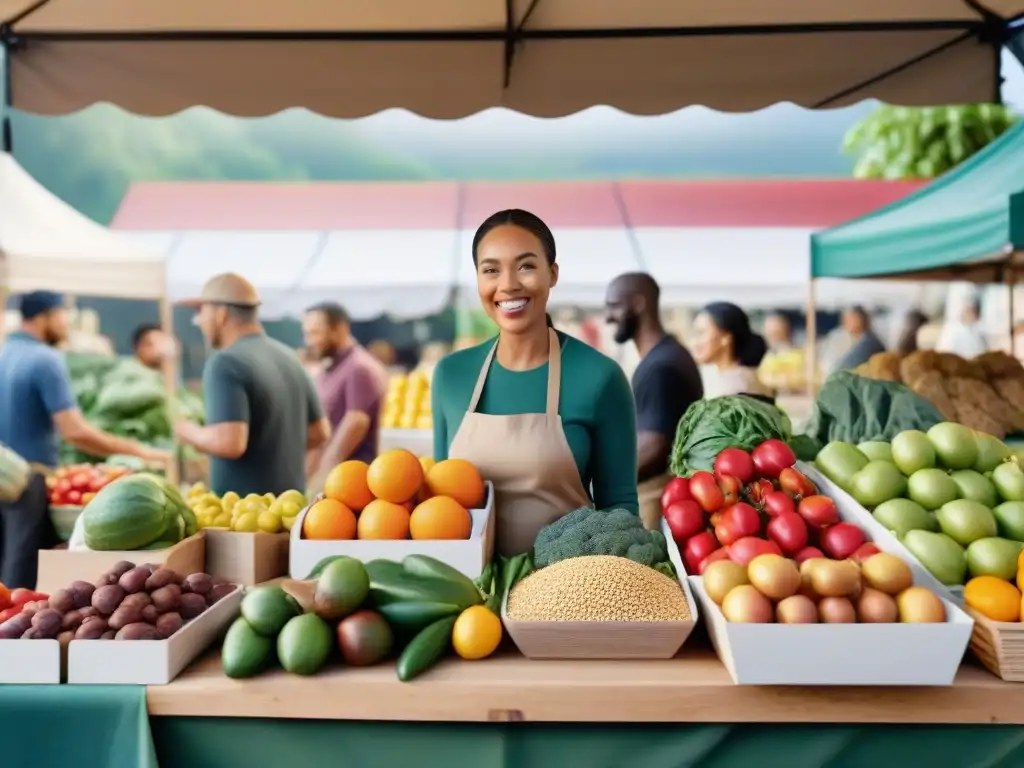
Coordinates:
(811, 340)
(1010, 280)
(170, 370)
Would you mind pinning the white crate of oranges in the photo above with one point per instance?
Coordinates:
(398, 505)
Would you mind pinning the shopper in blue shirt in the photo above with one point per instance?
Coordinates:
(37, 408)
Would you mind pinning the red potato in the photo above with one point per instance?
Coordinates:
(706, 492)
(818, 511)
(795, 482)
(676, 489)
(778, 503)
(734, 462)
(685, 519)
(841, 540)
(746, 549)
(771, 457)
(789, 531)
(808, 553)
(866, 550)
(697, 549)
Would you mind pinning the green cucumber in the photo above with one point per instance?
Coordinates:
(411, 618)
(426, 649)
(428, 567)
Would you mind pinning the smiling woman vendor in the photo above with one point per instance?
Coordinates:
(549, 420)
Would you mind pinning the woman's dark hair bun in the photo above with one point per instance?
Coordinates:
(749, 347)
(517, 218)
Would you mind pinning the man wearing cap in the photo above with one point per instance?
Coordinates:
(351, 385)
(262, 411)
(37, 405)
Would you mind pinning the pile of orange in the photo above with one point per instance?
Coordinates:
(996, 598)
(397, 496)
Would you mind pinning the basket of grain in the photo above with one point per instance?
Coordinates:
(599, 607)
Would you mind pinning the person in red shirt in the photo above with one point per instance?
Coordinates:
(351, 384)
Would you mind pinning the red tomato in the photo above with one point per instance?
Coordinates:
(706, 491)
(865, 550)
(685, 519)
(794, 482)
(50, 482)
(676, 489)
(62, 486)
(738, 521)
(789, 531)
(778, 503)
(735, 462)
(758, 489)
(818, 511)
(697, 549)
(20, 596)
(74, 498)
(80, 481)
(841, 540)
(807, 553)
(732, 489)
(63, 472)
(771, 457)
(87, 497)
(718, 554)
(97, 484)
(747, 548)
(5, 597)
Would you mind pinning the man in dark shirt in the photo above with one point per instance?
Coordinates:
(262, 411)
(37, 408)
(666, 382)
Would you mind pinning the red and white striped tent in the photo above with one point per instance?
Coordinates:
(401, 249)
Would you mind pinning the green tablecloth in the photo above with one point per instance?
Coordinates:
(107, 727)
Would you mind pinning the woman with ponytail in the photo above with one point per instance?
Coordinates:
(731, 352)
(548, 419)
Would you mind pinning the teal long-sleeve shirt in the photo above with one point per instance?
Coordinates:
(595, 403)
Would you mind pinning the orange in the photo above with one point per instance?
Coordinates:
(458, 479)
(477, 633)
(440, 517)
(347, 483)
(384, 520)
(1020, 580)
(329, 519)
(1020, 561)
(395, 476)
(427, 462)
(994, 598)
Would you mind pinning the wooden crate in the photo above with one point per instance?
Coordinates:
(999, 645)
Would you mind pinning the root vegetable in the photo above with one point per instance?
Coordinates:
(106, 599)
(134, 580)
(161, 577)
(167, 599)
(191, 605)
(168, 624)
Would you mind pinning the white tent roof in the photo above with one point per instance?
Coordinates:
(45, 244)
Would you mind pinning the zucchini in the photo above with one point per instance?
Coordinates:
(411, 618)
(431, 568)
(426, 649)
(391, 583)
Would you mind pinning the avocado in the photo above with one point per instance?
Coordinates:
(340, 589)
(244, 653)
(304, 644)
(268, 609)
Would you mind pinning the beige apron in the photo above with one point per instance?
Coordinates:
(528, 459)
(649, 492)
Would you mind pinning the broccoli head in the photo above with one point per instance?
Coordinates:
(589, 531)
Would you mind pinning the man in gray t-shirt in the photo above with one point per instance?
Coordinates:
(262, 411)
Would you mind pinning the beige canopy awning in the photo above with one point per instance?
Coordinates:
(451, 58)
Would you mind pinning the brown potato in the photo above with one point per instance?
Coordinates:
(15, 627)
(219, 591)
(137, 631)
(167, 599)
(125, 615)
(88, 611)
(191, 606)
(121, 568)
(135, 580)
(33, 633)
(161, 577)
(151, 567)
(109, 635)
(140, 599)
(62, 600)
(72, 620)
(168, 624)
(82, 592)
(200, 583)
(150, 614)
(91, 628)
(106, 599)
(48, 622)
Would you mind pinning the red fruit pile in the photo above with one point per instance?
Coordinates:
(754, 504)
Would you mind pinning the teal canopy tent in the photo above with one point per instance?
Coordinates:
(966, 225)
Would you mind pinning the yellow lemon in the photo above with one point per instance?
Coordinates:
(223, 520)
(287, 523)
(247, 522)
(269, 522)
(269, 498)
(477, 633)
(228, 505)
(294, 497)
(290, 509)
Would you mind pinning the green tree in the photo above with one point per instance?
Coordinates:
(922, 143)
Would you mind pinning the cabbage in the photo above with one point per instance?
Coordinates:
(710, 426)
